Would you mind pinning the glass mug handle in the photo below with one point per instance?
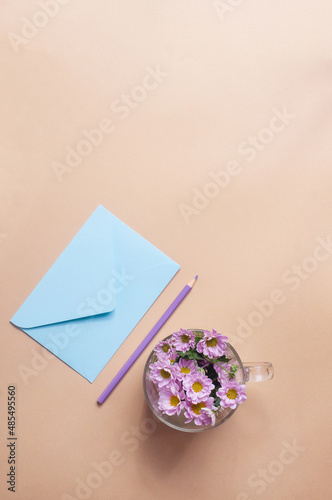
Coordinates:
(258, 372)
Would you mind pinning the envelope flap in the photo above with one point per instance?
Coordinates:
(80, 283)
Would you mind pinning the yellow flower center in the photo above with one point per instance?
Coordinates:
(174, 401)
(231, 394)
(185, 339)
(212, 342)
(165, 348)
(197, 386)
(165, 374)
(185, 369)
(197, 407)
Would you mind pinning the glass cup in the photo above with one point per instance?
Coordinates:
(247, 372)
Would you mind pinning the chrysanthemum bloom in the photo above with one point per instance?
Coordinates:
(199, 412)
(207, 417)
(184, 367)
(164, 350)
(162, 373)
(183, 340)
(171, 356)
(171, 400)
(223, 375)
(197, 386)
(232, 394)
(213, 344)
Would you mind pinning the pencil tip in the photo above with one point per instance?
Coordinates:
(192, 282)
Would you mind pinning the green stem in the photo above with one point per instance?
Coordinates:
(213, 361)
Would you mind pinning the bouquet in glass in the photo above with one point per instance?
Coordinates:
(194, 376)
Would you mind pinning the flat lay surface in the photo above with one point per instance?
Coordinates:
(204, 126)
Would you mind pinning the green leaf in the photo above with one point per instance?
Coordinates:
(181, 354)
(223, 359)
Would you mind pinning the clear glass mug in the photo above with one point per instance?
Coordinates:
(247, 372)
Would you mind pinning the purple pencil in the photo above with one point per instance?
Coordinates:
(146, 341)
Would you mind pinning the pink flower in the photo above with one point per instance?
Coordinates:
(232, 394)
(184, 367)
(213, 344)
(223, 376)
(200, 412)
(162, 373)
(183, 340)
(197, 386)
(207, 417)
(164, 350)
(171, 400)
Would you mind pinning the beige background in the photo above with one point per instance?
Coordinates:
(226, 72)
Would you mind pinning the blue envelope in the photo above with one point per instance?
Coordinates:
(95, 293)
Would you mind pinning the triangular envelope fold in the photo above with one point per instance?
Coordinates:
(79, 284)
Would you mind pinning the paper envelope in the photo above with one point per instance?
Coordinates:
(95, 293)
